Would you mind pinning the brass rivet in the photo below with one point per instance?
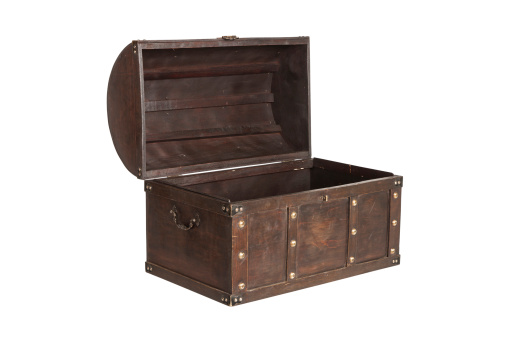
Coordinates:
(241, 255)
(354, 203)
(292, 275)
(223, 208)
(293, 243)
(226, 299)
(395, 222)
(399, 182)
(395, 182)
(240, 299)
(235, 300)
(241, 224)
(393, 251)
(237, 209)
(351, 259)
(241, 209)
(241, 286)
(353, 232)
(222, 299)
(148, 187)
(293, 215)
(395, 195)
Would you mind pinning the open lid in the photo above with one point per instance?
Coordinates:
(183, 106)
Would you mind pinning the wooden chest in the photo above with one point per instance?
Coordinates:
(237, 210)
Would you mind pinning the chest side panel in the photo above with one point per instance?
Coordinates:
(267, 247)
(372, 227)
(201, 253)
(322, 237)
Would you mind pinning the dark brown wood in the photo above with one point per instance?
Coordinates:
(272, 290)
(202, 253)
(267, 247)
(213, 132)
(237, 173)
(123, 98)
(322, 236)
(372, 229)
(283, 223)
(180, 100)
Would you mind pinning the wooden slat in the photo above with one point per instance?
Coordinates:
(213, 132)
(208, 102)
(237, 173)
(166, 172)
(209, 70)
(210, 117)
(198, 151)
(207, 87)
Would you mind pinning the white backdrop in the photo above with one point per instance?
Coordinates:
(416, 88)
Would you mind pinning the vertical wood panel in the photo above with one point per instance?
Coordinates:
(372, 230)
(322, 236)
(267, 247)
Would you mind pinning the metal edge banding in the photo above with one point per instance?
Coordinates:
(394, 215)
(142, 109)
(353, 224)
(239, 265)
(292, 234)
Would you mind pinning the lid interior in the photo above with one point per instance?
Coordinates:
(220, 106)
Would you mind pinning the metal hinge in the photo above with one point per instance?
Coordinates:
(229, 37)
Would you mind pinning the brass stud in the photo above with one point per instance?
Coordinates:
(222, 299)
(240, 299)
(241, 255)
(395, 222)
(148, 187)
(395, 195)
(241, 224)
(353, 232)
(354, 203)
(240, 208)
(237, 209)
(393, 251)
(223, 207)
(241, 286)
(293, 215)
(292, 275)
(293, 243)
(351, 259)
(399, 182)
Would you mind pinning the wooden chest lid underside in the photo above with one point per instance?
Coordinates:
(182, 106)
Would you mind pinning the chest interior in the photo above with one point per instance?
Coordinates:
(210, 105)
